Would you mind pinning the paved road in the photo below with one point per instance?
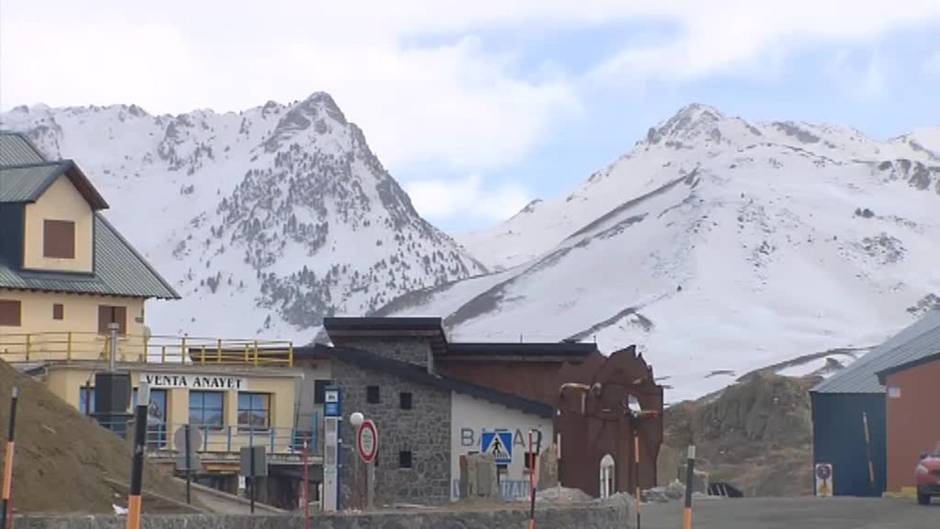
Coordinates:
(797, 513)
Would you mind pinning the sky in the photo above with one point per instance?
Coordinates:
(479, 107)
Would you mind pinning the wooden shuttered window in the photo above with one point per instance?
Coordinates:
(58, 239)
(10, 313)
(58, 311)
(108, 314)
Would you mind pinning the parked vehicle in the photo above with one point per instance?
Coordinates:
(927, 475)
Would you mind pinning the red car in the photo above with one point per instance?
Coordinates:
(927, 475)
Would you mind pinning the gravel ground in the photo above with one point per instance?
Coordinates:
(796, 513)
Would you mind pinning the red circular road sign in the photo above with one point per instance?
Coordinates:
(367, 441)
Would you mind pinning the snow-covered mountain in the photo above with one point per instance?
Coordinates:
(720, 246)
(265, 220)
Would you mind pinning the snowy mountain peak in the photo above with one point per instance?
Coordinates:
(719, 246)
(694, 114)
(698, 124)
(318, 114)
(265, 220)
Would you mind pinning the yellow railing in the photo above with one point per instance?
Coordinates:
(157, 349)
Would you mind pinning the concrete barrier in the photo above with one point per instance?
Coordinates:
(608, 515)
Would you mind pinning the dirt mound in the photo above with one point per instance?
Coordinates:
(64, 460)
(756, 435)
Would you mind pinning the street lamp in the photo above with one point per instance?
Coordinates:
(356, 419)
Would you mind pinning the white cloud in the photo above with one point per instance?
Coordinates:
(931, 66)
(859, 75)
(447, 199)
(410, 72)
(732, 36)
(452, 102)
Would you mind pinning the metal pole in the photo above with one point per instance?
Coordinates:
(531, 482)
(689, 475)
(306, 487)
(251, 466)
(189, 465)
(5, 511)
(339, 461)
(114, 327)
(636, 465)
(137, 472)
(871, 466)
(370, 476)
(87, 399)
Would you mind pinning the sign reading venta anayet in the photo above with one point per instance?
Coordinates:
(172, 380)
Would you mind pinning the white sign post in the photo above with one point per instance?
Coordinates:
(331, 449)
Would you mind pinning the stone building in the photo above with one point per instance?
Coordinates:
(426, 421)
(435, 401)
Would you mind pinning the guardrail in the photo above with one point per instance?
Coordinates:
(156, 349)
(220, 441)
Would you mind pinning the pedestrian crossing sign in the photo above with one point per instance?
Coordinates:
(499, 445)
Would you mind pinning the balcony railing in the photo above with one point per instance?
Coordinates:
(157, 349)
(226, 440)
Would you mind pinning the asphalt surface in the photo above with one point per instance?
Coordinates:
(796, 513)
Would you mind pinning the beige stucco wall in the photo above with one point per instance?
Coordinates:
(48, 337)
(470, 417)
(65, 380)
(61, 201)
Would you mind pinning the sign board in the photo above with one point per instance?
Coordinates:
(330, 498)
(192, 381)
(195, 443)
(823, 474)
(367, 441)
(260, 461)
(498, 444)
(332, 407)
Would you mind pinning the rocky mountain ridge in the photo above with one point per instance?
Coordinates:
(720, 246)
(265, 220)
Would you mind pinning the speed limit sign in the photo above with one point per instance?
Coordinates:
(367, 441)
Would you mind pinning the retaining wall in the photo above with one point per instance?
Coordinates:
(611, 515)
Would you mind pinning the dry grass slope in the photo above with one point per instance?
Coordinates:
(756, 435)
(63, 458)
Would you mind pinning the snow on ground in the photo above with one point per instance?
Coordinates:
(263, 220)
(723, 247)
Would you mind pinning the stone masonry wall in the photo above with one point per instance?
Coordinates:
(414, 350)
(424, 430)
(588, 516)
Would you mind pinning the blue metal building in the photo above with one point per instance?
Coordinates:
(843, 402)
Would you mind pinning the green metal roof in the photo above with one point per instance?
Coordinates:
(15, 149)
(24, 183)
(27, 182)
(119, 271)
